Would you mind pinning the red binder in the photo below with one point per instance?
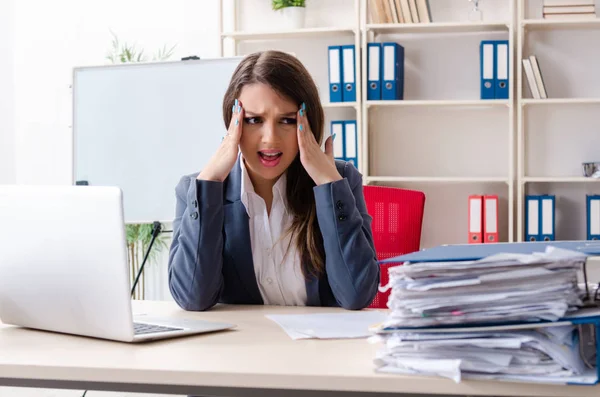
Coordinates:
(490, 220)
(475, 219)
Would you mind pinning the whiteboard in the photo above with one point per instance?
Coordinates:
(143, 126)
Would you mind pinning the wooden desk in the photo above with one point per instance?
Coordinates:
(258, 358)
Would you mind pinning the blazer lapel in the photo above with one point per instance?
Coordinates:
(237, 234)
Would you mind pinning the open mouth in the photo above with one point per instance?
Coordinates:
(270, 158)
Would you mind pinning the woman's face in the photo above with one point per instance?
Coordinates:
(269, 141)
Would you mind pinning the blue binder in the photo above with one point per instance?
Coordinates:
(487, 60)
(374, 70)
(335, 73)
(593, 216)
(337, 128)
(502, 54)
(348, 73)
(472, 252)
(532, 218)
(351, 142)
(547, 217)
(392, 75)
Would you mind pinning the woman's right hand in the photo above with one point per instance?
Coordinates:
(221, 163)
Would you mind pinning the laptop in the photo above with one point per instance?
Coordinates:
(64, 267)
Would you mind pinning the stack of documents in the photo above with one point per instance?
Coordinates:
(543, 354)
(501, 287)
(515, 317)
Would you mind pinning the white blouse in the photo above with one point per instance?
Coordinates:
(279, 276)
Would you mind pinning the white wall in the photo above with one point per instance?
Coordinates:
(53, 37)
(59, 35)
(7, 93)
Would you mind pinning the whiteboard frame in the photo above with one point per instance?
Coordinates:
(78, 69)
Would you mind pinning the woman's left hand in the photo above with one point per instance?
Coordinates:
(319, 165)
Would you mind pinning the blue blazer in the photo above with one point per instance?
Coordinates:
(210, 259)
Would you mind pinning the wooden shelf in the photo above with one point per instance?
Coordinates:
(439, 27)
(541, 24)
(388, 179)
(476, 102)
(560, 101)
(560, 179)
(288, 34)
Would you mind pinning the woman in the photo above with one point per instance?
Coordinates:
(282, 222)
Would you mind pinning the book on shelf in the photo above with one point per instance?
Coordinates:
(399, 11)
(534, 76)
(569, 9)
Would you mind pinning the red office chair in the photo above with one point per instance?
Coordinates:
(397, 223)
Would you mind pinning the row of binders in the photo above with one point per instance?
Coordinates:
(534, 76)
(513, 312)
(399, 11)
(342, 73)
(540, 215)
(569, 9)
(483, 219)
(345, 143)
(385, 72)
(494, 69)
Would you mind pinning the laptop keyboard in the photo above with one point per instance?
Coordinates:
(141, 329)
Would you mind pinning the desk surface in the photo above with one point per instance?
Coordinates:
(258, 354)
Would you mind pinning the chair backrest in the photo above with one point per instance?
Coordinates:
(397, 224)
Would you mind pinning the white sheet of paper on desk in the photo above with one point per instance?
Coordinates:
(329, 325)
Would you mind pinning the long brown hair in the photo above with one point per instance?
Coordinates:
(286, 75)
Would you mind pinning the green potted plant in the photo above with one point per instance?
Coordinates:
(292, 11)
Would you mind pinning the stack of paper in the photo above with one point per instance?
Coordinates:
(481, 319)
(547, 355)
(502, 287)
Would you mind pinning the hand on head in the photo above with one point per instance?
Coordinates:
(319, 164)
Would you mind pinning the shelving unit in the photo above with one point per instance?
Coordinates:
(558, 179)
(558, 24)
(560, 101)
(416, 179)
(289, 34)
(564, 106)
(508, 129)
(327, 105)
(476, 102)
(460, 186)
(436, 27)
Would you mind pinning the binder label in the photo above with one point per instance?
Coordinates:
(388, 65)
(548, 214)
(348, 54)
(488, 64)
(351, 140)
(475, 218)
(502, 62)
(334, 69)
(338, 143)
(490, 216)
(373, 63)
(595, 217)
(533, 218)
